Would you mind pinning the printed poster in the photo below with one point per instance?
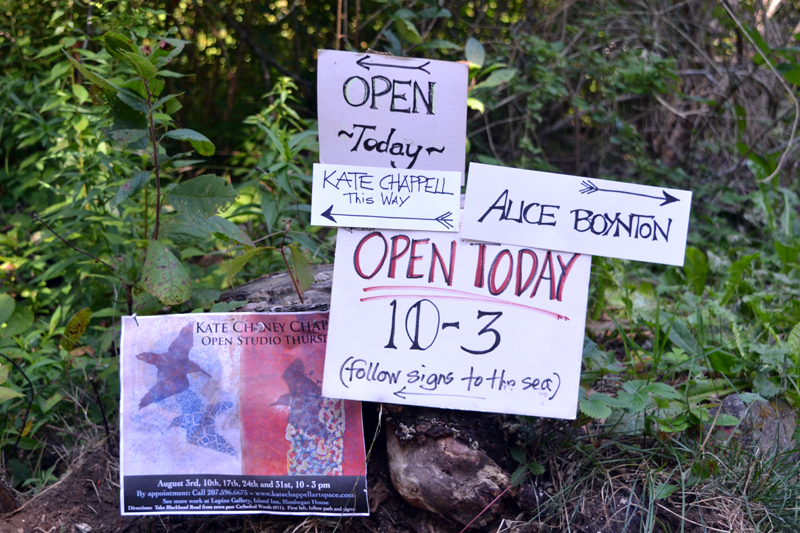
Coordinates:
(223, 414)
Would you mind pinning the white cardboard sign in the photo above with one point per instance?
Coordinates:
(349, 195)
(425, 318)
(393, 112)
(584, 215)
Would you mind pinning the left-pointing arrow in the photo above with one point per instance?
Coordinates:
(364, 64)
(445, 219)
(402, 393)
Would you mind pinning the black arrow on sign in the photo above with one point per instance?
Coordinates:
(589, 188)
(402, 393)
(363, 63)
(445, 219)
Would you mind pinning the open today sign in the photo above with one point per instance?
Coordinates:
(425, 318)
(391, 112)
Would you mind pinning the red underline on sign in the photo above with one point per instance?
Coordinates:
(453, 295)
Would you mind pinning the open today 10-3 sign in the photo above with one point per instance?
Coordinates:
(425, 318)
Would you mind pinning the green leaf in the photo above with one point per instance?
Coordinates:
(137, 85)
(7, 306)
(790, 72)
(408, 32)
(535, 468)
(130, 188)
(726, 420)
(145, 304)
(474, 52)
(187, 229)
(164, 276)
(203, 195)
(141, 65)
(124, 137)
(764, 386)
(634, 395)
(518, 454)
(682, 338)
(134, 102)
(518, 475)
(761, 44)
(227, 307)
(76, 327)
(477, 105)
(497, 77)
(793, 343)
(722, 362)
(19, 322)
(125, 117)
(786, 253)
(51, 402)
(661, 390)
(595, 406)
(664, 490)
(118, 45)
(80, 92)
(204, 298)
(238, 262)
(696, 269)
(303, 271)
(52, 49)
(7, 394)
(438, 44)
(91, 76)
(199, 141)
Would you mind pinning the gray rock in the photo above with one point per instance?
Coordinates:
(766, 426)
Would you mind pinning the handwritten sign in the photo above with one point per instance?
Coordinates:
(393, 112)
(348, 195)
(591, 216)
(425, 318)
(222, 413)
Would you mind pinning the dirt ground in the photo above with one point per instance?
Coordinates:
(86, 500)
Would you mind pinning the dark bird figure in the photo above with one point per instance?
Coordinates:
(173, 367)
(200, 423)
(304, 399)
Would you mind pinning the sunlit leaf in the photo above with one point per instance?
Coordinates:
(164, 276)
(7, 394)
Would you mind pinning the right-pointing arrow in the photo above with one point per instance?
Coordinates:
(591, 188)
